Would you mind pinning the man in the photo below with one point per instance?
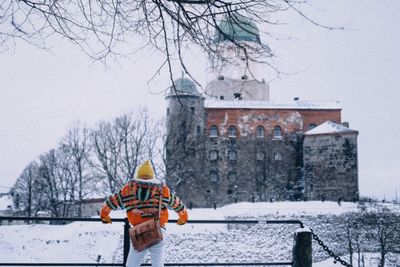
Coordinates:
(140, 198)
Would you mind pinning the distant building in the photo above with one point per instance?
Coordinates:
(232, 143)
(90, 207)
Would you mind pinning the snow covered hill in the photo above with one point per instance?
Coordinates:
(85, 242)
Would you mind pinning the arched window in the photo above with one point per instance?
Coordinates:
(232, 155)
(232, 132)
(213, 131)
(213, 176)
(213, 155)
(260, 132)
(278, 132)
(277, 156)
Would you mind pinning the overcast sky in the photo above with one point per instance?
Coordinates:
(43, 93)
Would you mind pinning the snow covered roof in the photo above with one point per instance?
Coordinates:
(268, 104)
(329, 127)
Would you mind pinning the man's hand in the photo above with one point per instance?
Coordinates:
(183, 217)
(106, 219)
(181, 221)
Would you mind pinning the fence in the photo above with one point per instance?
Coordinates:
(301, 251)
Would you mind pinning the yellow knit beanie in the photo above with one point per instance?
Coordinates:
(145, 171)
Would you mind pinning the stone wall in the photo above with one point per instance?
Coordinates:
(331, 166)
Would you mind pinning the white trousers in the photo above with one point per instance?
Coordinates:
(135, 257)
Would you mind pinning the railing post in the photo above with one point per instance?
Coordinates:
(302, 250)
(126, 240)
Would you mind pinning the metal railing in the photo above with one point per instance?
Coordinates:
(127, 241)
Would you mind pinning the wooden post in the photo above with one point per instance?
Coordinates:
(302, 250)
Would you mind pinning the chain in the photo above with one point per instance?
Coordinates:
(330, 252)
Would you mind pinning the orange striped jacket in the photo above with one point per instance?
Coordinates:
(140, 199)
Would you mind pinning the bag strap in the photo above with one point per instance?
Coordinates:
(160, 202)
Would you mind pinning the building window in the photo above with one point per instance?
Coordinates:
(213, 131)
(232, 132)
(232, 155)
(260, 156)
(232, 177)
(182, 129)
(213, 176)
(192, 110)
(260, 177)
(167, 111)
(260, 132)
(277, 156)
(229, 192)
(198, 130)
(311, 126)
(213, 155)
(277, 132)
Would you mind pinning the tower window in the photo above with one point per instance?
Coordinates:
(277, 132)
(167, 111)
(213, 176)
(260, 132)
(213, 155)
(213, 131)
(232, 132)
(198, 130)
(192, 110)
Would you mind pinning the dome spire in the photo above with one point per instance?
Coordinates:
(236, 27)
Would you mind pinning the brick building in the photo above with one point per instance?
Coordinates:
(232, 143)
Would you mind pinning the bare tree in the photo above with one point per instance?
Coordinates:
(107, 28)
(119, 147)
(75, 147)
(56, 177)
(25, 188)
(106, 150)
(383, 231)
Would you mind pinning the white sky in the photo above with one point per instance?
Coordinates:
(43, 93)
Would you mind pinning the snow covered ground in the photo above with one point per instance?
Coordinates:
(84, 242)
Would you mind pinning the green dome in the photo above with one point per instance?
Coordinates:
(184, 87)
(237, 27)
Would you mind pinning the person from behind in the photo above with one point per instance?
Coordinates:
(140, 198)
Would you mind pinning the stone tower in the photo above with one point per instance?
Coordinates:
(330, 163)
(185, 135)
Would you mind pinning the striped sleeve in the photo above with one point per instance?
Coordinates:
(173, 202)
(115, 201)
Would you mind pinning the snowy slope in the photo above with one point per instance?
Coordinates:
(84, 242)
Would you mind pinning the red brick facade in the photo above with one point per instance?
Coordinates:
(247, 120)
